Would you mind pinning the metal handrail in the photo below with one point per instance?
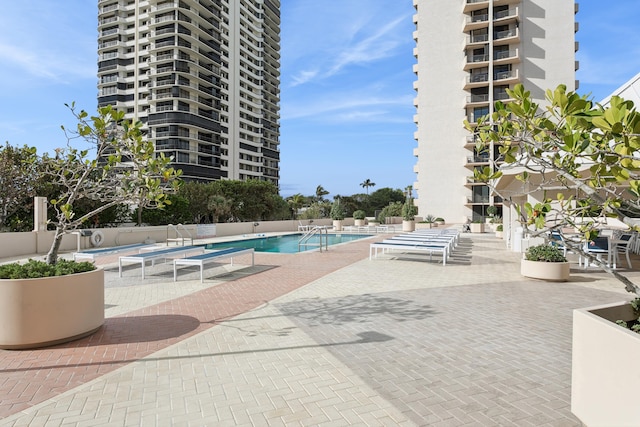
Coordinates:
(181, 238)
(315, 230)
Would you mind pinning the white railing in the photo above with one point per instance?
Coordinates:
(180, 237)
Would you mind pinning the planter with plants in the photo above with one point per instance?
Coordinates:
(477, 226)
(545, 262)
(359, 218)
(429, 221)
(605, 351)
(491, 212)
(440, 221)
(44, 303)
(409, 211)
(337, 214)
(499, 231)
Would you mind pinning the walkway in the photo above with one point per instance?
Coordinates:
(317, 339)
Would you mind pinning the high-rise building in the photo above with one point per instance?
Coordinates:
(204, 78)
(468, 53)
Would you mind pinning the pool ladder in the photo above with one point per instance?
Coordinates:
(320, 231)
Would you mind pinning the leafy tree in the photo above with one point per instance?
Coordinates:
(366, 184)
(280, 209)
(197, 195)
(18, 172)
(381, 198)
(178, 212)
(589, 150)
(392, 209)
(125, 170)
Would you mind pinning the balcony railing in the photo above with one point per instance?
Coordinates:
(503, 75)
(505, 13)
(506, 34)
(501, 96)
(478, 18)
(479, 38)
(504, 54)
(478, 159)
(478, 98)
(478, 78)
(477, 58)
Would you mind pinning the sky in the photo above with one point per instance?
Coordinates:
(346, 81)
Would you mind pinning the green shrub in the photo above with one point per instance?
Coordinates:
(337, 211)
(409, 210)
(633, 325)
(34, 269)
(499, 227)
(359, 214)
(544, 253)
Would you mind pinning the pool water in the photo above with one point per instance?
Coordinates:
(287, 244)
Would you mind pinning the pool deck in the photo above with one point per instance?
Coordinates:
(329, 338)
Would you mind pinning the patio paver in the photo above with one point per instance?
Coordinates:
(317, 339)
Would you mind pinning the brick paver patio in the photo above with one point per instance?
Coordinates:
(326, 338)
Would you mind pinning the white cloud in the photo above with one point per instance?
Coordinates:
(332, 39)
(378, 46)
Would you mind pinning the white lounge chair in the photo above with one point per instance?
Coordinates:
(430, 248)
(209, 257)
(152, 256)
(92, 254)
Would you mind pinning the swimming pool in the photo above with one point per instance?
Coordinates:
(287, 244)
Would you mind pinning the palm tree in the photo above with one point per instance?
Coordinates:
(320, 192)
(408, 191)
(296, 202)
(366, 184)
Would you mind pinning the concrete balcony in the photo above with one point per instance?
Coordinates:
(477, 80)
(475, 22)
(506, 77)
(509, 36)
(471, 5)
(512, 56)
(476, 61)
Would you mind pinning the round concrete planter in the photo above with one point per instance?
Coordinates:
(477, 227)
(408, 225)
(358, 222)
(605, 367)
(551, 271)
(337, 225)
(50, 310)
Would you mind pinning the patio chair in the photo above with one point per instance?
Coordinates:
(598, 246)
(623, 244)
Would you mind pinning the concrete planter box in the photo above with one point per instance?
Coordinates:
(500, 234)
(605, 369)
(551, 271)
(477, 227)
(408, 225)
(359, 222)
(51, 310)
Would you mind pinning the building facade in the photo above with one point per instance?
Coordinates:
(468, 53)
(204, 78)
